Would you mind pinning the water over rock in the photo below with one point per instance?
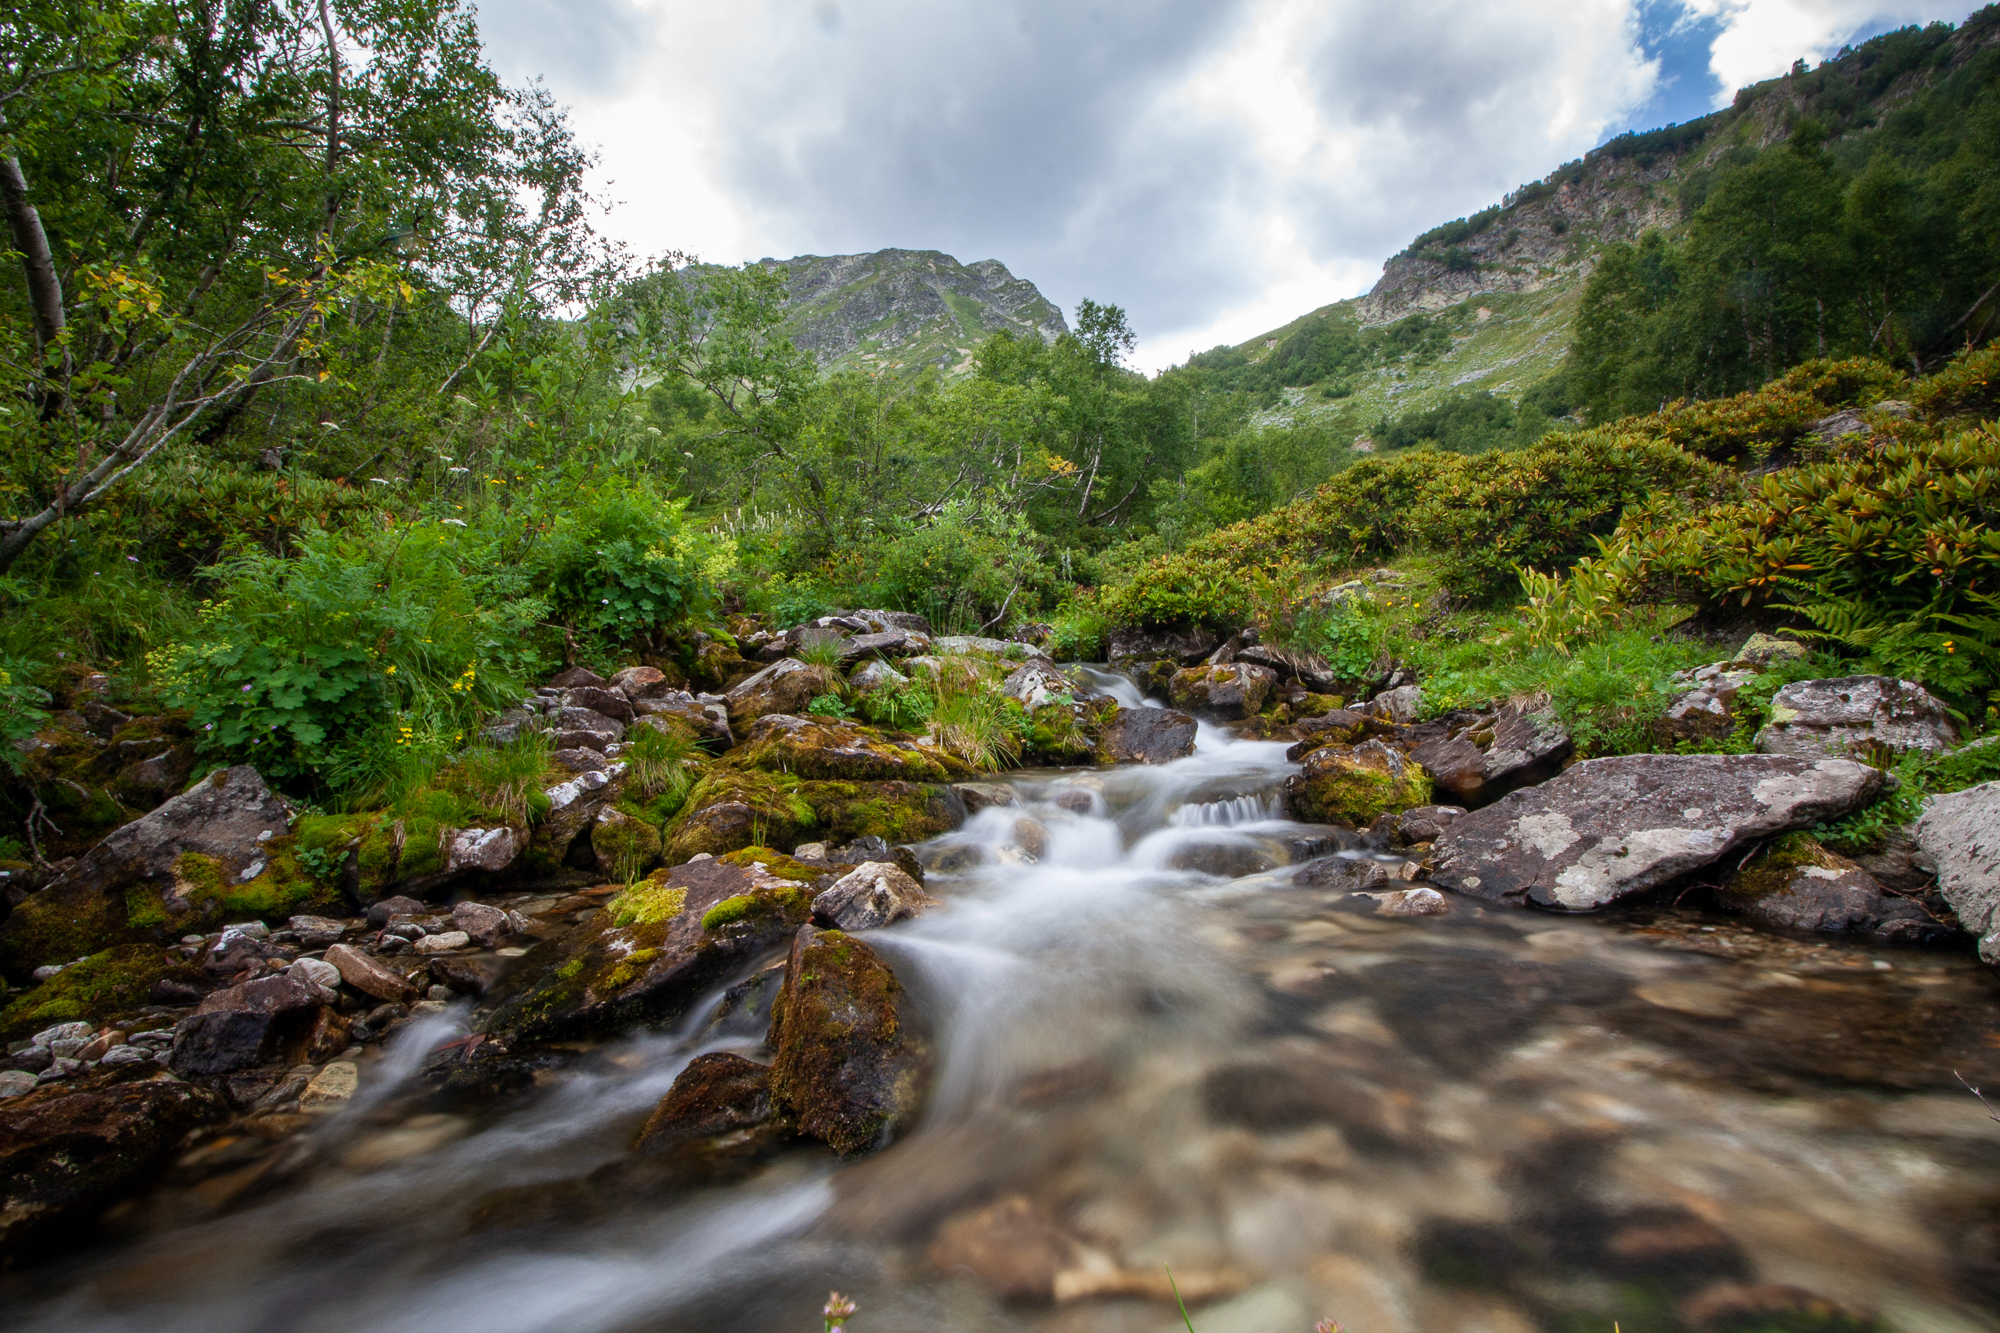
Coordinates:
(717, 1120)
(1609, 828)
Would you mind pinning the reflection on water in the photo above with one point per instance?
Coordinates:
(1157, 1048)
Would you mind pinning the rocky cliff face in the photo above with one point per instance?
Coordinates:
(902, 310)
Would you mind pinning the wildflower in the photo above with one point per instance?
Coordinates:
(1329, 1326)
(392, 669)
(246, 689)
(1948, 646)
(838, 1310)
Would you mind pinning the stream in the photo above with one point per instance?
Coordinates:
(1156, 1050)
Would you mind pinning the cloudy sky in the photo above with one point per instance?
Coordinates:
(1217, 167)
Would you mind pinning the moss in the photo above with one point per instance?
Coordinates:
(423, 847)
(733, 807)
(728, 910)
(649, 902)
(1353, 786)
(1771, 870)
(892, 811)
(848, 751)
(197, 876)
(284, 888)
(145, 907)
(775, 863)
(570, 970)
(54, 927)
(626, 970)
(1316, 705)
(626, 847)
(101, 986)
(758, 907)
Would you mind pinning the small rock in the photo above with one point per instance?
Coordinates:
(369, 977)
(379, 914)
(332, 1088)
(639, 682)
(875, 677)
(317, 971)
(243, 1025)
(125, 1055)
(1401, 705)
(872, 895)
(575, 678)
(47, 972)
(488, 926)
(49, 1036)
(315, 931)
(1960, 832)
(979, 795)
(1037, 683)
(443, 942)
(1426, 823)
(14, 1082)
(1763, 649)
(809, 851)
(1411, 902)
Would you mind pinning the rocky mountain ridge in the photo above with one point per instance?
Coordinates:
(899, 311)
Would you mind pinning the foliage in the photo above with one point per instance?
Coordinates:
(23, 709)
(1917, 776)
(619, 566)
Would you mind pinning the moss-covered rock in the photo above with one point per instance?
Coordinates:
(849, 1070)
(717, 1120)
(734, 807)
(844, 751)
(626, 845)
(1351, 785)
(1235, 690)
(657, 948)
(893, 811)
(100, 987)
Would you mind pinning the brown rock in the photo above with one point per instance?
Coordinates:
(716, 1120)
(603, 700)
(639, 682)
(1013, 1246)
(848, 1070)
(1237, 690)
(489, 927)
(576, 677)
(368, 976)
(1146, 736)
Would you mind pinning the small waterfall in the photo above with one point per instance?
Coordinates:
(1231, 810)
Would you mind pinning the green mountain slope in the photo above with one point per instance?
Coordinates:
(1488, 302)
(898, 311)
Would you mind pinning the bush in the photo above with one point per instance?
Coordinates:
(1969, 385)
(619, 567)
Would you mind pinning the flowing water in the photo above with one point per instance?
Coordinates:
(1155, 1049)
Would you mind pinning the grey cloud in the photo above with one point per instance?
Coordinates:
(580, 46)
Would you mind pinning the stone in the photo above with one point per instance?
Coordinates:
(1762, 649)
(1013, 1246)
(982, 646)
(1146, 736)
(1230, 692)
(576, 677)
(209, 835)
(1400, 705)
(1186, 646)
(872, 895)
(1425, 823)
(1352, 785)
(380, 913)
(483, 850)
(14, 1082)
(640, 682)
(65, 1155)
(443, 942)
(1866, 716)
(602, 700)
(1796, 884)
(243, 1025)
(49, 1036)
(466, 974)
(369, 977)
(717, 1119)
(1960, 833)
(1289, 663)
(1037, 684)
(982, 795)
(849, 1071)
(785, 686)
(316, 972)
(1482, 760)
(707, 723)
(331, 1088)
(888, 643)
(489, 927)
(573, 806)
(875, 677)
(837, 750)
(1418, 901)
(314, 931)
(626, 847)
(1707, 710)
(1606, 829)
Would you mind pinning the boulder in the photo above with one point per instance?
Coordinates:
(1796, 884)
(1186, 646)
(731, 808)
(1418, 901)
(1237, 690)
(244, 1025)
(873, 678)
(872, 895)
(785, 686)
(1609, 828)
(658, 946)
(1960, 833)
(483, 850)
(1400, 705)
(370, 977)
(1867, 716)
(640, 682)
(572, 808)
(105, 985)
(848, 1069)
(1351, 785)
(1146, 736)
(1485, 759)
(887, 643)
(830, 748)
(67, 1153)
(1763, 649)
(1036, 683)
(575, 678)
(489, 927)
(399, 905)
(717, 1119)
(585, 729)
(707, 723)
(982, 646)
(979, 796)
(601, 700)
(210, 836)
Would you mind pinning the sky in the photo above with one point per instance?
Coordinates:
(1216, 167)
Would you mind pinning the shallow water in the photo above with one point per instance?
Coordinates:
(1155, 1049)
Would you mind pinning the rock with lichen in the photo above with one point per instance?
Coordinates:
(1353, 784)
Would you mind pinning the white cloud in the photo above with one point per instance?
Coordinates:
(1216, 166)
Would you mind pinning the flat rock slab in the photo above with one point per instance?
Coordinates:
(1609, 828)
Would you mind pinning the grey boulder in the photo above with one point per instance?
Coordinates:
(1855, 715)
(1799, 885)
(1610, 828)
(1960, 831)
(872, 895)
(1147, 736)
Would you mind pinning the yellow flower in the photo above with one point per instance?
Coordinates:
(392, 670)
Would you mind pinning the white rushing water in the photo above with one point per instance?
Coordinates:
(1166, 1052)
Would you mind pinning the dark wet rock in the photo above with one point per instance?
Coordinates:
(1224, 857)
(849, 1070)
(370, 976)
(745, 1008)
(380, 914)
(1610, 828)
(1867, 716)
(1351, 874)
(1485, 759)
(575, 678)
(1016, 1248)
(1238, 690)
(1146, 736)
(182, 853)
(1466, 1011)
(1659, 1243)
(243, 1026)
(657, 946)
(66, 1153)
(315, 931)
(1900, 866)
(1271, 1097)
(1960, 834)
(1183, 646)
(601, 700)
(238, 950)
(489, 927)
(1352, 785)
(870, 896)
(1426, 823)
(785, 686)
(717, 1120)
(469, 974)
(979, 795)
(1796, 884)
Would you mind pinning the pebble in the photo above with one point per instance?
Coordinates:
(511, 951)
(331, 1087)
(61, 1069)
(14, 1082)
(49, 972)
(67, 1048)
(315, 930)
(62, 1032)
(126, 1055)
(438, 993)
(444, 942)
(317, 971)
(422, 1007)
